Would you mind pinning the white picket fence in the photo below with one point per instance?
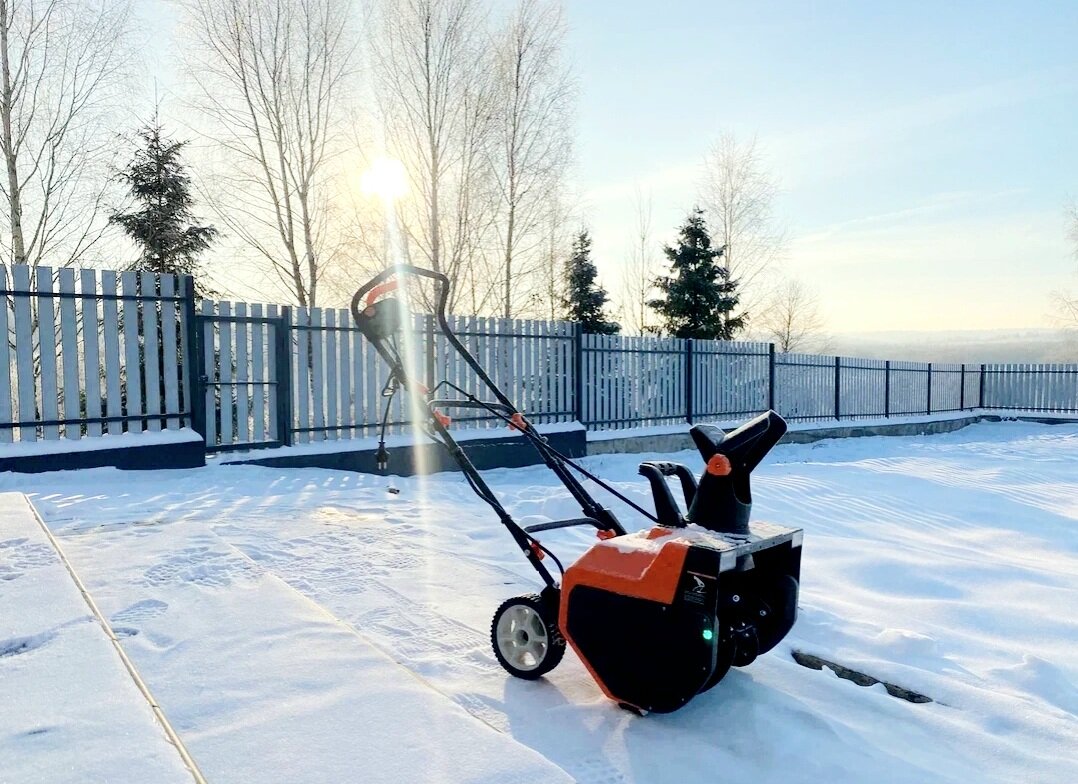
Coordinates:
(338, 378)
(85, 353)
(90, 353)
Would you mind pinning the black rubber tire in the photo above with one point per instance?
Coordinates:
(555, 649)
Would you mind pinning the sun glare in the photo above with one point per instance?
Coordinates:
(386, 178)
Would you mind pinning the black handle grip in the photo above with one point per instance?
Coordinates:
(403, 269)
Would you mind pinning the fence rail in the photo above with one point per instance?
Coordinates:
(90, 353)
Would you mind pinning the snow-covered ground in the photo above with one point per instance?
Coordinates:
(307, 625)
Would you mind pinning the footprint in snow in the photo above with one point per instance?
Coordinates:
(17, 556)
(139, 611)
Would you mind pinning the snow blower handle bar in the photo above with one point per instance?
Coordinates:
(381, 284)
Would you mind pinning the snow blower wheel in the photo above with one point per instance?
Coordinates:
(525, 637)
(657, 616)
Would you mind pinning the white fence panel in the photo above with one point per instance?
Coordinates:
(6, 339)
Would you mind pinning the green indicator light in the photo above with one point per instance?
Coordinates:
(708, 634)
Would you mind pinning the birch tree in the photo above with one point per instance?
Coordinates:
(739, 194)
(640, 273)
(791, 320)
(533, 93)
(62, 68)
(273, 79)
(434, 92)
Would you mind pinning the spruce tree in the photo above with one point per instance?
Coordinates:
(162, 221)
(698, 299)
(585, 298)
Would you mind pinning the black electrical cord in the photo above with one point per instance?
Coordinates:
(563, 458)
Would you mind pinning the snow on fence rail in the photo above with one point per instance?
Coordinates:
(77, 362)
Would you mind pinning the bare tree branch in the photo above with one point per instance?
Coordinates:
(434, 90)
(738, 194)
(791, 319)
(273, 76)
(640, 273)
(62, 69)
(533, 148)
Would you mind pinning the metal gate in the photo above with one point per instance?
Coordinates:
(243, 376)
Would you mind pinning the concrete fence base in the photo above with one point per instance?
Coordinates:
(486, 448)
(678, 438)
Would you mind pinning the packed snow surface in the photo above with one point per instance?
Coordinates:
(308, 625)
(69, 710)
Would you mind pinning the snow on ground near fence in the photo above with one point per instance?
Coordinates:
(70, 711)
(947, 564)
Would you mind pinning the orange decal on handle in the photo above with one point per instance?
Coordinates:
(380, 289)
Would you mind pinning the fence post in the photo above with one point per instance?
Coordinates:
(980, 393)
(928, 394)
(282, 340)
(578, 373)
(962, 387)
(194, 362)
(838, 386)
(771, 376)
(887, 388)
(688, 380)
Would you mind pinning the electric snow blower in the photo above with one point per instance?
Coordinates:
(657, 616)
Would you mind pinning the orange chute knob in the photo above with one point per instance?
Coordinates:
(719, 465)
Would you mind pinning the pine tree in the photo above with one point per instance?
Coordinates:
(162, 225)
(585, 299)
(698, 299)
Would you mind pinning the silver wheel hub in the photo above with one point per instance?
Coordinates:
(522, 637)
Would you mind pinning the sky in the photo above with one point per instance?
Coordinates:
(925, 150)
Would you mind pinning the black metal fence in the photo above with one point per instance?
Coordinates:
(135, 351)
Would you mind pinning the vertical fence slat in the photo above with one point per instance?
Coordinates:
(24, 356)
(302, 394)
(151, 371)
(275, 404)
(344, 392)
(91, 365)
(258, 375)
(209, 354)
(318, 380)
(330, 320)
(6, 412)
(243, 377)
(132, 382)
(225, 375)
(170, 349)
(110, 324)
(69, 352)
(46, 332)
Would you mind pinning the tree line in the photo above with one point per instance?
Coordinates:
(283, 103)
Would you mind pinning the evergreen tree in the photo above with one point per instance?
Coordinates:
(698, 299)
(585, 299)
(161, 223)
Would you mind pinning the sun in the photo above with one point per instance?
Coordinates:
(386, 178)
